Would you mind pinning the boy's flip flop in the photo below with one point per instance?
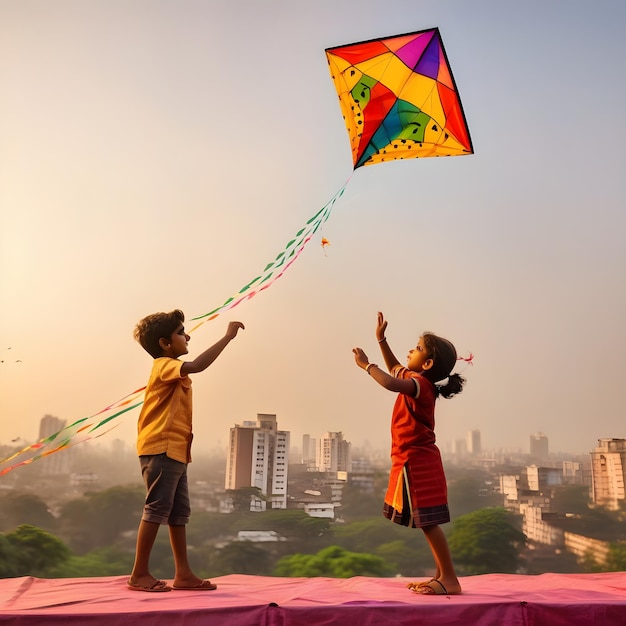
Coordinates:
(205, 585)
(157, 586)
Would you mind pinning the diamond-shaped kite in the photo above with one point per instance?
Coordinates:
(399, 99)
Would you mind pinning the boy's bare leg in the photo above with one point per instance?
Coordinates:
(183, 576)
(146, 535)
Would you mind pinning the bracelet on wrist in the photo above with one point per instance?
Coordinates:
(369, 365)
(383, 339)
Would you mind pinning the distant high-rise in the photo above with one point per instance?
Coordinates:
(56, 463)
(333, 453)
(49, 425)
(608, 473)
(539, 453)
(459, 448)
(258, 457)
(473, 442)
(309, 445)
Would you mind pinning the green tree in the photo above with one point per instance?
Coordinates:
(9, 558)
(102, 562)
(115, 511)
(243, 557)
(363, 535)
(334, 562)
(36, 552)
(486, 541)
(288, 523)
(571, 499)
(406, 558)
(357, 504)
(465, 489)
(242, 497)
(24, 508)
(97, 520)
(616, 559)
(367, 534)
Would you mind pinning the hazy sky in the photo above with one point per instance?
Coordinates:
(156, 154)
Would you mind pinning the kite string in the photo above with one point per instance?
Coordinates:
(284, 260)
(67, 436)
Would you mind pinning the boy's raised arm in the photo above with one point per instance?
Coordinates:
(203, 360)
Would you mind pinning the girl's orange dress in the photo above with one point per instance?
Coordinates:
(417, 495)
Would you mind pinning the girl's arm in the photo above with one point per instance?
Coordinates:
(390, 359)
(398, 385)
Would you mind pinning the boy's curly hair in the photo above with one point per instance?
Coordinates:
(154, 327)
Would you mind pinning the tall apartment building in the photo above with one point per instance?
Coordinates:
(459, 448)
(258, 456)
(55, 464)
(309, 446)
(473, 442)
(608, 465)
(333, 453)
(539, 453)
(49, 424)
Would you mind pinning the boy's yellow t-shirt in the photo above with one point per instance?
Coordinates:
(165, 420)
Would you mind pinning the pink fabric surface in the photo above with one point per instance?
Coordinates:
(492, 599)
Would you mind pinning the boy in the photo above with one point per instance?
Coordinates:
(164, 445)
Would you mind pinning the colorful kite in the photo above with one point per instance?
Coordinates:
(399, 101)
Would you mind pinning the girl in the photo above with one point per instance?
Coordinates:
(417, 493)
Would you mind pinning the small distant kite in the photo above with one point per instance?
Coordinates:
(399, 101)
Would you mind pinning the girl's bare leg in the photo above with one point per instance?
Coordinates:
(445, 572)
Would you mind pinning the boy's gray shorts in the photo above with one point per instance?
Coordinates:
(167, 498)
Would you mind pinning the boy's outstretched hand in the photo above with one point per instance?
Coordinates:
(233, 329)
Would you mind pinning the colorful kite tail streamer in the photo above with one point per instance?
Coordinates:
(85, 428)
(283, 260)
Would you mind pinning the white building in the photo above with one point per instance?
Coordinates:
(258, 457)
(56, 464)
(333, 453)
(608, 463)
(309, 446)
(509, 487)
(473, 443)
(543, 477)
(324, 510)
(539, 451)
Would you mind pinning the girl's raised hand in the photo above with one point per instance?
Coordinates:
(360, 358)
(381, 327)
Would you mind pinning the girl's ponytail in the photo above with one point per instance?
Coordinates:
(452, 387)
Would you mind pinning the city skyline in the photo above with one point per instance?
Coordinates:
(157, 155)
(466, 444)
